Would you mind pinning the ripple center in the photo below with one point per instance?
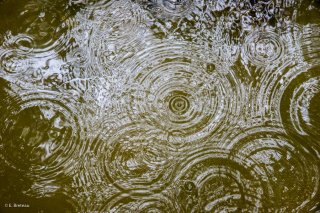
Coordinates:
(179, 103)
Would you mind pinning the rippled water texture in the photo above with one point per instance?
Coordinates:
(160, 106)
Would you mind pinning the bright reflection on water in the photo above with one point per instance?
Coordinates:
(160, 105)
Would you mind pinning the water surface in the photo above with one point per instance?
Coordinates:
(160, 106)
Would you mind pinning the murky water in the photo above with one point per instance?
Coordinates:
(160, 106)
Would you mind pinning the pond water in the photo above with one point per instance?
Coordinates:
(160, 106)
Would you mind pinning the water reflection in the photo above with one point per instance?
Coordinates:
(160, 106)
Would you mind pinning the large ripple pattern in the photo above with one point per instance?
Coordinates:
(160, 105)
(154, 203)
(285, 169)
(133, 157)
(300, 97)
(263, 48)
(49, 146)
(187, 97)
(112, 28)
(209, 180)
(299, 104)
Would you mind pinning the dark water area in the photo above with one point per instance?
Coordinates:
(159, 106)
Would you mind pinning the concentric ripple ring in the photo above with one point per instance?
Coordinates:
(284, 168)
(263, 48)
(49, 146)
(299, 104)
(209, 180)
(182, 95)
(131, 157)
(153, 203)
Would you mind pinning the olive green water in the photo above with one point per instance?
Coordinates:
(159, 106)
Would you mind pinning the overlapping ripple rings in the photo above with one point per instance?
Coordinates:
(112, 29)
(50, 31)
(155, 203)
(184, 95)
(300, 105)
(132, 157)
(209, 180)
(14, 54)
(48, 145)
(263, 48)
(167, 8)
(30, 49)
(300, 97)
(116, 20)
(272, 77)
(285, 168)
(160, 105)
